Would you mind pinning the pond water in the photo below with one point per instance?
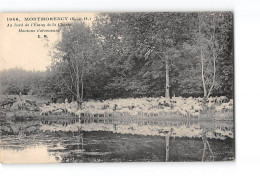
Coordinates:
(105, 146)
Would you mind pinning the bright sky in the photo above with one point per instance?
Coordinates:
(24, 49)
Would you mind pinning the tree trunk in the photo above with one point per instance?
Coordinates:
(78, 94)
(167, 87)
(78, 101)
(214, 77)
(214, 62)
(202, 62)
(78, 88)
(202, 74)
(82, 87)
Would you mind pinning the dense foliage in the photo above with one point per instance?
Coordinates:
(128, 54)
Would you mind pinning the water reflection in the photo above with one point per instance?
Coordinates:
(103, 146)
(31, 154)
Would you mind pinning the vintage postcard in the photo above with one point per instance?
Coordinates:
(116, 87)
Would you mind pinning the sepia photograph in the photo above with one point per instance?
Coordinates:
(117, 87)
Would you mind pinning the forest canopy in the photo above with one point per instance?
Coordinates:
(135, 55)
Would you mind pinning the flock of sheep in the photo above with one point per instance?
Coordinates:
(186, 107)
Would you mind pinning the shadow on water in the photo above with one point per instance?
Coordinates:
(102, 146)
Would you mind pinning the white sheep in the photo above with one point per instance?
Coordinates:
(219, 108)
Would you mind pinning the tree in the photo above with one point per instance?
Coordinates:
(212, 37)
(75, 53)
(146, 39)
(136, 55)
